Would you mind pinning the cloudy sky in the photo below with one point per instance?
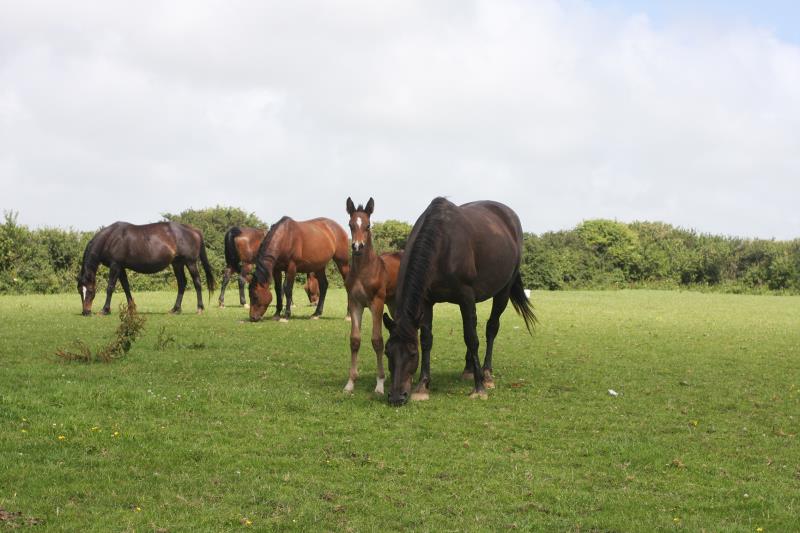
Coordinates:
(564, 110)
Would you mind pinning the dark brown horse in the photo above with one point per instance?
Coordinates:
(241, 247)
(148, 249)
(462, 255)
(311, 287)
(371, 282)
(293, 247)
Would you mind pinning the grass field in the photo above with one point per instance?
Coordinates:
(234, 426)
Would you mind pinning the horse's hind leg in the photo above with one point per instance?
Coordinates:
(499, 304)
(123, 278)
(195, 273)
(356, 312)
(246, 268)
(113, 274)
(322, 280)
(226, 278)
(180, 275)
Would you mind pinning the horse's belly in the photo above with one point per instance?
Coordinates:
(147, 268)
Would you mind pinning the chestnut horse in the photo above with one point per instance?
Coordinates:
(293, 247)
(462, 255)
(371, 282)
(241, 246)
(149, 248)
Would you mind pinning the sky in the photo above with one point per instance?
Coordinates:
(682, 112)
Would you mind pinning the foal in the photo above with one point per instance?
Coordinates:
(241, 247)
(371, 282)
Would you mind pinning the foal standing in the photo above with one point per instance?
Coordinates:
(371, 282)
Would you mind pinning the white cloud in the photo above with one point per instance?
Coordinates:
(562, 110)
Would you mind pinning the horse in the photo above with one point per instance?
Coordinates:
(311, 287)
(293, 247)
(241, 246)
(371, 282)
(462, 255)
(148, 249)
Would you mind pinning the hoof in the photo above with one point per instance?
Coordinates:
(467, 376)
(105, 312)
(488, 383)
(283, 320)
(314, 317)
(200, 311)
(174, 311)
(350, 386)
(347, 318)
(479, 394)
(276, 317)
(246, 306)
(421, 396)
(222, 306)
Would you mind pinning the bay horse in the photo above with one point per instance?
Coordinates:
(148, 249)
(462, 255)
(311, 287)
(241, 247)
(371, 282)
(293, 247)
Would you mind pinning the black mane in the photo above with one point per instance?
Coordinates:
(419, 268)
(261, 273)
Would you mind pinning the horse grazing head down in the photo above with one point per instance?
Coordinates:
(260, 296)
(403, 354)
(86, 288)
(360, 227)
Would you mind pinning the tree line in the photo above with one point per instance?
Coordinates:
(597, 254)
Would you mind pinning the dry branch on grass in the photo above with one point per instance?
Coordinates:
(129, 329)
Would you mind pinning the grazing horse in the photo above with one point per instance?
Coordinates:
(371, 282)
(148, 249)
(241, 246)
(293, 247)
(462, 255)
(311, 287)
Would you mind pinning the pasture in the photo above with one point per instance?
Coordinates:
(215, 424)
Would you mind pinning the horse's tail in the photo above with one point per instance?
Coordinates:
(521, 303)
(231, 255)
(207, 267)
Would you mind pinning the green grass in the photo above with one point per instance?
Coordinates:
(236, 422)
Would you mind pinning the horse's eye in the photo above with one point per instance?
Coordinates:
(369, 226)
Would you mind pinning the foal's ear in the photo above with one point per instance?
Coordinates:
(350, 207)
(388, 322)
(370, 206)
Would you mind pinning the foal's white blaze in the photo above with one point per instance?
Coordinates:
(358, 221)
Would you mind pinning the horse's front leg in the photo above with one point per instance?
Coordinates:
(470, 321)
(113, 274)
(376, 310)
(180, 275)
(123, 278)
(422, 391)
(288, 286)
(277, 276)
(356, 313)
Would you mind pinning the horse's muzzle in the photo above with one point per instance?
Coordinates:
(86, 313)
(398, 400)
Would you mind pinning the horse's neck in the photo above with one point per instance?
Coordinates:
(364, 261)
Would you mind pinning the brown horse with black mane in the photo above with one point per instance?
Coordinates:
(462, 255)
(371, 282)
(293, 247)
(241, 247)
(149, 248)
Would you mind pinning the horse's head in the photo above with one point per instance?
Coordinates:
(403, 354)
(360, 228)
(260, 296)
(86, 288)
